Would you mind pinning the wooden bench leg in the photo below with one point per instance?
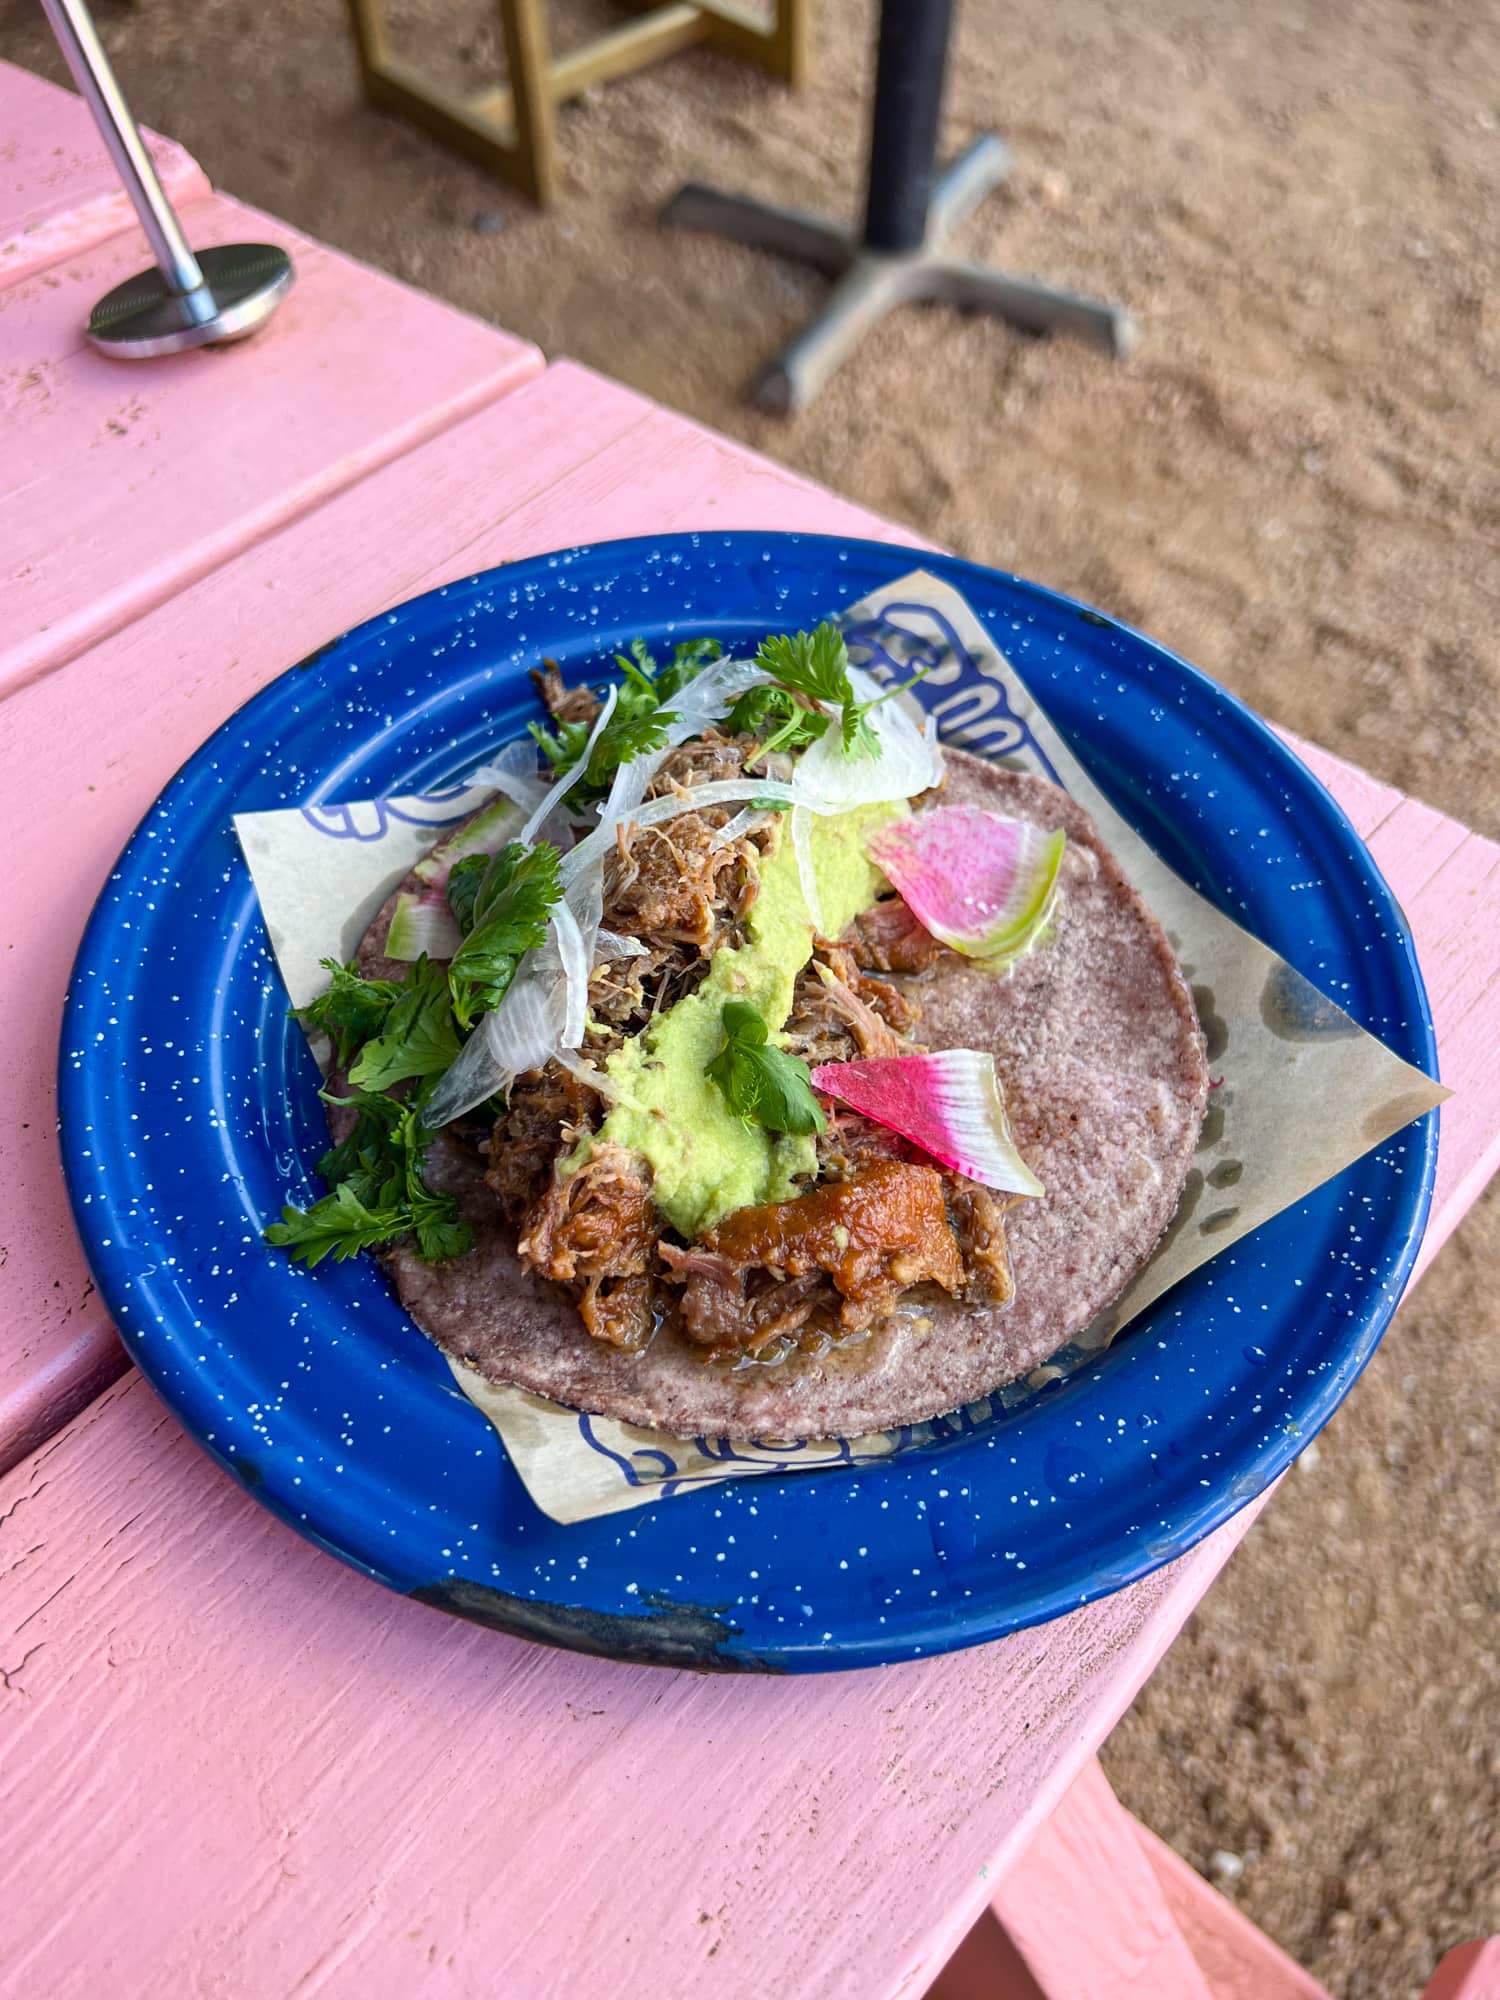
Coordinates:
(1099, 1909)
(1468, 1972)
(523, 29)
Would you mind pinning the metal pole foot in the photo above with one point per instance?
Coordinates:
(243, 283)
(737, 217)
(963, 185)
(1034, 308)
(860, 299)
(187, 301)
(871, 282)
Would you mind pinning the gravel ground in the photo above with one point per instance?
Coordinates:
(1294, 483)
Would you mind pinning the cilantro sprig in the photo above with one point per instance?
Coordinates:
(388, 1033)
(379, 1192)
(353, 1010)
(807, 674)
(641, 717)
(759, 1081)
(417, 1038)
(502, 907)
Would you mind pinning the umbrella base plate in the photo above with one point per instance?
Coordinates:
(243, 283)
(870, 283)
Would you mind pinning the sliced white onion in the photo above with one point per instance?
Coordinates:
(807, 873)
(611, 944)
(554, 796)
(908, 758)
(575, 958)
(746, 820)
(711, 694)
(520, 1035)
(513, 771)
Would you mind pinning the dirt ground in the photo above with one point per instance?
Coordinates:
(1294, 483)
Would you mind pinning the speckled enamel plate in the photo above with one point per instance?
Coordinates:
(190, 1115)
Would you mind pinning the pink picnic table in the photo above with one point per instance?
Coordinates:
(227, 1764)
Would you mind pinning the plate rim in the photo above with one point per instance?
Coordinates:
(948, 1628)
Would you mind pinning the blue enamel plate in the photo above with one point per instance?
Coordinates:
(190, 1115)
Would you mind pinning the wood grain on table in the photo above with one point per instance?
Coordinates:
(222, 1750)
(126, 480)
(334, 1783)
(59, 191)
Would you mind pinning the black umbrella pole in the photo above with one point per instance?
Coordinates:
(911, 212)
(910, 64)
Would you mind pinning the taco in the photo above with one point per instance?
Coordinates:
(771, 1074)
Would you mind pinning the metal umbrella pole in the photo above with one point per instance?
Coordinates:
(219, 294)
(910, 211)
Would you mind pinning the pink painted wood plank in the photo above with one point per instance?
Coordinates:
(1366, 800)
(59, 193)
(986, 1966)
(371, 1776)
(1468, 1972)
(1238, 1961)
(564, 458)
(1085, 1911)
(125, 481)
(231, 1752)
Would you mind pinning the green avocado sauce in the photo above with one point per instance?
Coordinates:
(706, 1160)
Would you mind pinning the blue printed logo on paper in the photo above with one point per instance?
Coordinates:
(371, 819)
(967, 694)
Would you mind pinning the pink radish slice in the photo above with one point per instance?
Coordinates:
(949, 1103)
(978, 881)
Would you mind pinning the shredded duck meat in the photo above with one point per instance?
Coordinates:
(564, 704)
(871, 1237)
(678, 884)
(594, 1230)
(876, 1221)
(839, 1012)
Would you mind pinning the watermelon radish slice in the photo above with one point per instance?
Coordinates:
(979, 882)
(949, 1103)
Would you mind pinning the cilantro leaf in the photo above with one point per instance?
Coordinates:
(759, 1081)
(339, 1225)
(776, 716)
(418, 1038)
(463, 887)
(689, 658)
(641, 716)
(508, 913)
(352, 1011)
(379, 1191)
(562, 747)
(815, 665)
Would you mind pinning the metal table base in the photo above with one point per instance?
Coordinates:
(900, 258)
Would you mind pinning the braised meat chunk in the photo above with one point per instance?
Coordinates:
(888, 938)
(978, 1218)
(873, 1237)
(595, 1231)
(547, 1110)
